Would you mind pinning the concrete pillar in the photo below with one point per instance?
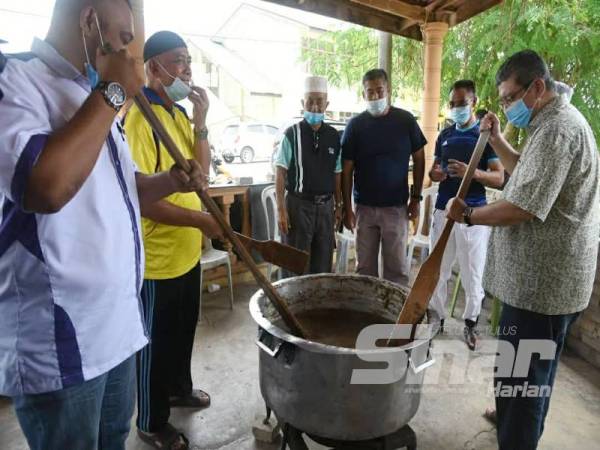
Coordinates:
(433, 37)
(137, 46)
(385, 53)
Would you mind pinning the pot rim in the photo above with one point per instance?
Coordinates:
(313, 346)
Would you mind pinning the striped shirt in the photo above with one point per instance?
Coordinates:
(312, 158)
(70, 281)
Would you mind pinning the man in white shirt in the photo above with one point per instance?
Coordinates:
(71, 254)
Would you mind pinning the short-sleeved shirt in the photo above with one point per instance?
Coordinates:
(70, 281)
(459, 144)
(547, 265)
(380, 148)
(170, 251)
(311, 158)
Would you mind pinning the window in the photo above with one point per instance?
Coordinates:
(271, 130)
(231, 130)
(255, 128)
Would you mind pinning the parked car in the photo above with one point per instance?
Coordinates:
(247, 141)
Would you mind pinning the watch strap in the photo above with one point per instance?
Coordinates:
(202, 133)
(467, 216)
(102, 88)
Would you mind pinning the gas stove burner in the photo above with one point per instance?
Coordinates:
(405, 437)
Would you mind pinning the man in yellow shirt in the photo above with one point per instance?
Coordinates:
(173, 241)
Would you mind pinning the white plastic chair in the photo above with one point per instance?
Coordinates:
(419, 239)
(212, 258)
(344, 242)
(268, 197)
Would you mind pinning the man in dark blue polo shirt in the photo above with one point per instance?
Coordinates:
(309, 168)
(468, 244)
(377, 147)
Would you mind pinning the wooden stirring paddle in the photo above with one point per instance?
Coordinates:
(415, 306)
(279, 304)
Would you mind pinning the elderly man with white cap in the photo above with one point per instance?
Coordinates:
(309, 167)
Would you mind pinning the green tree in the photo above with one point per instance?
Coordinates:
(565, 32)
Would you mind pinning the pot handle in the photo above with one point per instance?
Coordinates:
(428, 363)
(272, 352)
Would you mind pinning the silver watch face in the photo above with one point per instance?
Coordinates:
(116, 94)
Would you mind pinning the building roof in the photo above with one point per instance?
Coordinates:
(401, 17)
(296, 16)
(237, 67)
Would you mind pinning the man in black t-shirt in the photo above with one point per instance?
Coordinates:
(377, 147)
(309, 168)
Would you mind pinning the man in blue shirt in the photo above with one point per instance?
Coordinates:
(376, 148)
(468, 244)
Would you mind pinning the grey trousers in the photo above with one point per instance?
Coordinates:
(385, 227)
(311, 229)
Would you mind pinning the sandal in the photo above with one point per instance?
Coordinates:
(490, 415)
(196, 399)
(169, 438)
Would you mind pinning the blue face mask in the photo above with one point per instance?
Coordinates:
(178, 90)
(92, 75)
(518, 113)
(377, 107)
(91, 72)
(461, 115)
(313, 118)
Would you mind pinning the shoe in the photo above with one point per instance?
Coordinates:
(471, 337)
(433, 318)
(196, 399)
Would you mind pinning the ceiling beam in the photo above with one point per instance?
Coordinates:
(396, 7)
(349, 11)
(393, 16)
(471, 9)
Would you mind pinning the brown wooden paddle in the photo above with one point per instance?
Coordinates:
(427, 279)
(281, 255)
(279, 304)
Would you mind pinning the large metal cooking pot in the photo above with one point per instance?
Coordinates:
(307, 384)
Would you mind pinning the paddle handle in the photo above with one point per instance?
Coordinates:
(279, 304)
(414, 308)
(484, 137)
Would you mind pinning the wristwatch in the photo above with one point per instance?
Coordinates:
(202, 133)
(467, 216)
(414, 196)
(114, 94)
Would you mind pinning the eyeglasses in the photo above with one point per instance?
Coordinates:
(509, 99)
(458, 104)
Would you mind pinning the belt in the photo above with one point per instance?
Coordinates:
(316, 199)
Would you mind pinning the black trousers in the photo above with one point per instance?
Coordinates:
(170, 309)
(312, 230)
(521, 417)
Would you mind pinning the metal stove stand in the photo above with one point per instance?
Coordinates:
(405, 437)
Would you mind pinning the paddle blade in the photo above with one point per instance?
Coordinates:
(285, 256)
(281, 255)
(427, 279)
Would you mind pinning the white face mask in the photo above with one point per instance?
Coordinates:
(178, 90)
(377, 107)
